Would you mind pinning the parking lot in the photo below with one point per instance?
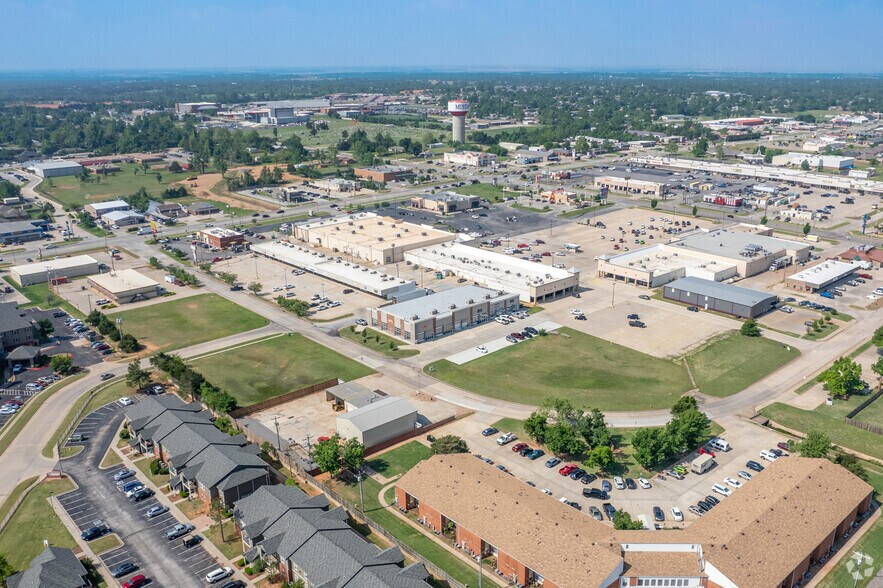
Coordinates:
(98, 498)
(746, 441)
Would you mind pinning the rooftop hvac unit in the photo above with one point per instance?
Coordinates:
(499, 292)
(509, 272)
(361, 227)
(518, 274)
(452, 306)
(423, 234)
(398, 235)
(350, 223)
(470, 301)
(373, 272)
(414, 317)
(379, 222)
(433, 311)
(487, 296)
(352, 232)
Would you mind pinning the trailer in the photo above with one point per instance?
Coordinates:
(702, 464)
(780, 262)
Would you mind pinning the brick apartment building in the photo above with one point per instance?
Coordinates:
(383, 173)
(766, 535)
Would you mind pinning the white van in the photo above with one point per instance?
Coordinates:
(719, 444)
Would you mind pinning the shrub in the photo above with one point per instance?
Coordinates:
(183, 493)
(248, 571)
(125, 435)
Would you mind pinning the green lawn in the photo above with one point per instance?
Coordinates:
(187, 321)
(270, 367)
(70, 191)
(429, 548)
(381, 346)
(14, 495)
(492, 193)
(231, 547)
(567, 363)
(40, 296)
(22, 539)
(105, 543)
(829, 419)
(825, 330)
(733, 362)
(399, 460)
(158, 480)
(108, 393)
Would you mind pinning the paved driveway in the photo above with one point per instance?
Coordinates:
(167, 563)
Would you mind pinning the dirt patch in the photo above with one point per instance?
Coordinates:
(204, 187)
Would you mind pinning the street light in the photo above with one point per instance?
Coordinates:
(119, 322)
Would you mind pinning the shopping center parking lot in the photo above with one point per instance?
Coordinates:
(746, 440)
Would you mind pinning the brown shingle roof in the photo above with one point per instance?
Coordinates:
(656, 563)
(755, 537)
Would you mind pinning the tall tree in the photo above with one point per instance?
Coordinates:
(449, 444)
(843, 378)
(326, 455)
(816, 444)
(136, 376)
(352, 454)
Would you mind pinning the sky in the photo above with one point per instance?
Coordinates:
(807, 36)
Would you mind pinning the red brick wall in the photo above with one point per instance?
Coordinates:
(401, 498)
(430, 516)
(800, 570)
(468, 540)
(509, 566)
(824, 546)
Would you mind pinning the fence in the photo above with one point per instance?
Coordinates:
(17, 504)
(405, 436)
(850, 420)
(271, 402)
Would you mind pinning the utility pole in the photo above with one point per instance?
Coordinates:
(278, 441)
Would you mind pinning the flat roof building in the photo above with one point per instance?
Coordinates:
(725, 298)
(24, 230)
(806, 504)
(715, 255)
(384, 173)
(122, 218)
(471, 158)
(57, 168)
(60, 267)
(532, 282)
(630, 185)
(99, 209)
(378, 421)
(373, 238)
(219, 237)
(428, 317)
(338, 185)
(200, 207)
(125, 286)
(445, 202)
(821, 276)
(813, 161)
(367, 279)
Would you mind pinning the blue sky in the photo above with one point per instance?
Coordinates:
(727, 35)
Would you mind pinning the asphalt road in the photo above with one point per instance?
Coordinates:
(167, 563)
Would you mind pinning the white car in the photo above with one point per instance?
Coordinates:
(873, 297)
(575, 311)
(733, 483)
(481, 349)
(768, 455)
(547, 491)
(506, 438)
(676, 514)
(218, 574)
(643, 483)
(125, 401)
(786, 309)
(744, 475)
(721, 489)
(617, 481)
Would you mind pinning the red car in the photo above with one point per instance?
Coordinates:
(566, 470)
(136, 581)
(539, 242)
(783, 446)
(866, 276)
(706, 451)
(519, 446)
(217, 259)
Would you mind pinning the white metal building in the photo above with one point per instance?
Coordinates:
(125, 286)
(122, 218)
(471, 158)
(827, 161)
(378, 421)
(99, 209)
(39, 272)
(57, 168)
(821, 276)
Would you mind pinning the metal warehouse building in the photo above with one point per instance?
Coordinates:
(61, 267)
(378, 421)
(725, 298)
(821, 276)
(442, 313)
(57, 168)
(125, 286)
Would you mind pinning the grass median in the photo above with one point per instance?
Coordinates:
(22, 539)
(376, 341)
(106, 393)
(13, 428)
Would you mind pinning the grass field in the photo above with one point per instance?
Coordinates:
(158, 480)
(399, 460)
(110, 459)
(70, 191)
(188, 321)
(429, 548)
(381, 346)
(22, 539)
(14, 495)
(829, 419)
(492, 193)
(111, 392)
(730, 364)
(270, 367)
(39, 295)
(231, 547)
(567, 363)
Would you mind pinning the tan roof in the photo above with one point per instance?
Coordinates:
(521, 521)
(761, 533)
(755, 537)
(656, 563)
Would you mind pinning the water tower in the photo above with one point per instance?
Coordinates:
(458, 110)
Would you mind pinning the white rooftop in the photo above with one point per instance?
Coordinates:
(55, 265)
(658, 259)
(825, 273)
(123, 280)
(441, 302)
(99, 206)
(56, 164)
(378, 413)
(116, 215)
(220, 232)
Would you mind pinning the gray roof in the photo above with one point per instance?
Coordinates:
(11, 318)
(23, 352)
(150, 407)
(448, 197)
(287, 523)
(198, 205)
(216, 463)
(18, 226)
(379, 413)
(56, 164)
(732, 243)
(728, 292)
(353, 393)
(441, 302)
(55, 567)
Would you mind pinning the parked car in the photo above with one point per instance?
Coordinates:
(489, 431)
(155, 511)
(712, 500)
(136, 581)
(552, 462)
(768, 455)
(644, 483)
(105, 377)
(619, 483)
(218, 574)
(178, 530)
(192, 540)
(142, 494)
(658, 514)
(721, 489)
(608, 510)
(123, 474)
(696, 510)
(596, 514)
(518, 447)
(126, 401)
(605, 486)
(783, 446)
(676, 514)
(753, 465)
(506, 438)
(732, 483)
(535, 454)
(94, 532)
(234, 584)
(123, 569)
(630, 484)
(693, 308)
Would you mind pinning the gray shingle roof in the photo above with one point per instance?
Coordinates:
(11, 319)
(217, 462)
(55, 567)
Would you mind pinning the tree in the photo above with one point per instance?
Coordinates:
(216, 511)
(255, 287)
(536, 425)
(750, 328)
(806, 229)
(764, 220)
(449, 444)
(816, 444)
(61, 364)
(700, 148)
(326, 455)
(804, 165)
(175, 167)
(352, 454)
(129, 344)
(684, 404)
(581, 145)
(600, 458)
(622, 521)
(671, 148)
(843, 378)
(654, 203)
(593, 429)
(852, 464)
(136, 376)
(228, 278)
(6, 570)
(45, 328)
(877, 339)
(561, 439)
(695, 211)
(685, 431)
(649, 447)
(877, 368)
(719, 151)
